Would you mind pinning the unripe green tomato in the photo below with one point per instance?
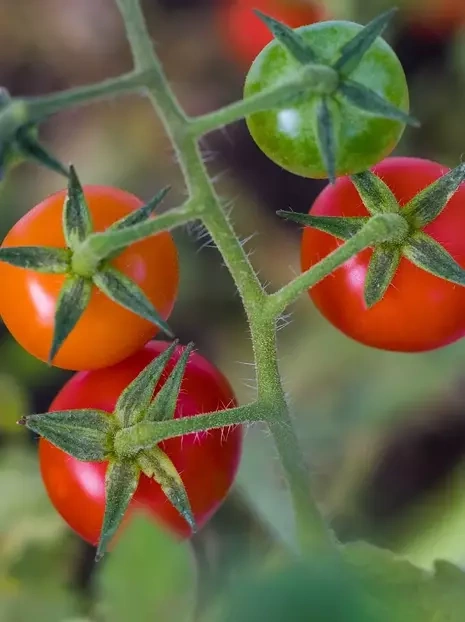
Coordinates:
(288, 135)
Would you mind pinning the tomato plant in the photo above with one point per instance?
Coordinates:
(245, 35)
(419, 311)
(288, 135)
(207, 461)
(106, 332)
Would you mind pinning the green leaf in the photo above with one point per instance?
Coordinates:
(353, 51)
(46, 259)
(381, 270)
(157, 465)
(326, 138)
(342, 228)
(377, 197)
(429, 255)
(135, 399)
(71, 304)
(84, 434)
(290, 39)
(129, 295)
(32, 149)
(142, 214)
(364, 98)
(429, 203)
(121, 483)
(163, 405)
(149, 576)
(77, 223)
(401, 592)
(314, 590)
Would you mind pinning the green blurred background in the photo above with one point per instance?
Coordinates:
(384, 434)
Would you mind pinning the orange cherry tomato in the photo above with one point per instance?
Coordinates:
(106, 333)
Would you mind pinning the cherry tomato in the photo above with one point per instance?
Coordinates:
(436, 18)
(246, 35)
(419, 310)
(288, 136)
(106, 333)
(207, 461)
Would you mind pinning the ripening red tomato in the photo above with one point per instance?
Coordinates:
(246, 35)
(436, 18)
(419, 311)
(206, 461)
(106, 333)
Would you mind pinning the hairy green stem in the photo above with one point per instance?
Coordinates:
(380, 228)
(142, 50)
(144, 435)
(39, 108)
(314, 77)
(254, 298)
(99, 246)
(312, 532)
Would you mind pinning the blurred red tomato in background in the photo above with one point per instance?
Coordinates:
(245, 35)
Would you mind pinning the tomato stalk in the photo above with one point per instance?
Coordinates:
(380, 228)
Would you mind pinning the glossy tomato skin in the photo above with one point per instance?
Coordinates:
(419, 311)
(246, 35)
(287, 135)
(207, 461)
(106, 333)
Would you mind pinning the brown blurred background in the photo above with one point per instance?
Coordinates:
(384, 434)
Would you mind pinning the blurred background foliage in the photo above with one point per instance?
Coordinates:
(384, 434)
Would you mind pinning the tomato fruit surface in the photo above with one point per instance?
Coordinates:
(106, 333)
(288, 135)
(419, 311)
(245, 35)
(206, 461)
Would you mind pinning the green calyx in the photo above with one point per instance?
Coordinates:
(23, 144)
(407, 239)
(328, 80)
(89, 435)
(86, 262)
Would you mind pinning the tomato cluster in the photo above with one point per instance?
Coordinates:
(52, 261)
(111, 345)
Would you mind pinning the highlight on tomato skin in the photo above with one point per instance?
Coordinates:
(419, 311)
(245, 35)
(207, 461)
(106, 333)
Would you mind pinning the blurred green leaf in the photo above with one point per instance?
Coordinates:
(316, 590)
(405, 592)
(14, 404)
(149, 576)
(26, 514)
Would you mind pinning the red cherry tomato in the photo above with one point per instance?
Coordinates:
(419, 311)
(246, 35)
(436, 18)
(207, 461)
(106, 333)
